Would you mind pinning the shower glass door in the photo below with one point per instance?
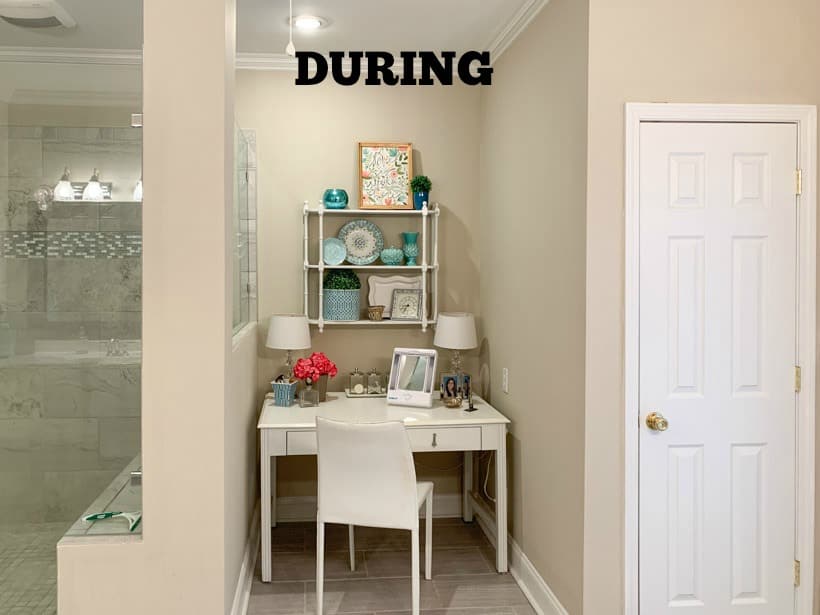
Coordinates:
(70, 290)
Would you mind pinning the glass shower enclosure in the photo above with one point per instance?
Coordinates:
(70, 329)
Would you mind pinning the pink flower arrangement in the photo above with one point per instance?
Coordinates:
(315, 366)
(325, 366)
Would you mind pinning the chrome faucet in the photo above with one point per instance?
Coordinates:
(114, 348)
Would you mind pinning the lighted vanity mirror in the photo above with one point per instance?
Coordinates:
(412, 376)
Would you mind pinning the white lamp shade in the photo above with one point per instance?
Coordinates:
(288, 332)
(455, 331)
(93, 189)
(63, 191)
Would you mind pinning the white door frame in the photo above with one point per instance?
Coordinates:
(805, 118)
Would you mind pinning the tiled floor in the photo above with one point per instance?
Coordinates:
(464, 578)
(28, 568)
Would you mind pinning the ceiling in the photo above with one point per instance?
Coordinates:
(389, 25)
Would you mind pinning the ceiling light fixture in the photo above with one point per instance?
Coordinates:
(308, 22)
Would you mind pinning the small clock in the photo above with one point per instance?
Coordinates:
(406, 304)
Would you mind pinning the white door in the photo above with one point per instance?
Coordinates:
(718, 246)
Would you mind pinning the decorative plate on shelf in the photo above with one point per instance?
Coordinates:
(364, 241)
(334, 251)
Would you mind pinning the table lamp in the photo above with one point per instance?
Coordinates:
(456, 331)
(288, 332)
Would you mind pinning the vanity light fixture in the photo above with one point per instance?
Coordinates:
(63, 190)
(93, 190)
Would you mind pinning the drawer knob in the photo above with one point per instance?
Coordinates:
(435, 444)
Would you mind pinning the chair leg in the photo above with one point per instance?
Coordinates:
(320, 565)
(351, 547)
(414, 548)
(428, 537)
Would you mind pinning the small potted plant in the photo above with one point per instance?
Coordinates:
(421, 186)
(341, 295)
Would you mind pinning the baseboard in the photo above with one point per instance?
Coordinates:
(245, 580)
(303, 508)
(535, 588)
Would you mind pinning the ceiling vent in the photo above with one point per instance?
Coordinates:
(35, 14)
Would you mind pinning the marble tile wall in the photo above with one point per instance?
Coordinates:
(69, 272)
(65, 432)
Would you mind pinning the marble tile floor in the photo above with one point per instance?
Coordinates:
(464, 578)
(28, 567)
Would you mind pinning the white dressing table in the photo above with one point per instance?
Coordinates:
(292, 431)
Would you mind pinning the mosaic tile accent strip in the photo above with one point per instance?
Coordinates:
(70, 244)
(77, 244)
(23, 244)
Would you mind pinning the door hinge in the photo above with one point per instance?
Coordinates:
(797, 379)
(797, 573)
(798, 176)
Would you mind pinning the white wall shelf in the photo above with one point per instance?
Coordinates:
(370, 212)
(428, 267)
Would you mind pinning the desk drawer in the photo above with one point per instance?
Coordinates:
(301, 443)
(445, 438)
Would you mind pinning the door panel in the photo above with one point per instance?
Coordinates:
(717, 355)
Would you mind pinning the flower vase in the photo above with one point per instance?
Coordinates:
(309, 396)
(410, 248)
(321, 386)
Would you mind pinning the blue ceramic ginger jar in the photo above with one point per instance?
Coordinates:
(335, 198)
(392, 256)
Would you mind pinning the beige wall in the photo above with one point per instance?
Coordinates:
(645, 51)
(241, 454)
(307, 141)
(533, 169)
(180, 565)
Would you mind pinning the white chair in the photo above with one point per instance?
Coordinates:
(367, 477)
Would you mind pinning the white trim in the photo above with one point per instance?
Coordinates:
(246, 60)
(303, 508)
(249, 328)
(519, 22)
(67, 55)
(541, 597)
(265, 61)
(245, 581)
(805, 118)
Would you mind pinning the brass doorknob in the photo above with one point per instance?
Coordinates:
(656, 422)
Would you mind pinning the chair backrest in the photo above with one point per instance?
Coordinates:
(366, 474)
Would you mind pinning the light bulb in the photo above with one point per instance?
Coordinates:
(307, 22)
(63, 190)
(93, 190)
(138, 190)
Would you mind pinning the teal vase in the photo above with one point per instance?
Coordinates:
(411, 247)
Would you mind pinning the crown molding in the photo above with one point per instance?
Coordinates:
(244, 60)
(265, 61)
(77, 98)
(64, 55)
(505, 37)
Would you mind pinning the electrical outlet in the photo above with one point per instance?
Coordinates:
(505, 380)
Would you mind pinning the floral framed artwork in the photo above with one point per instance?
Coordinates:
(385, 170)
